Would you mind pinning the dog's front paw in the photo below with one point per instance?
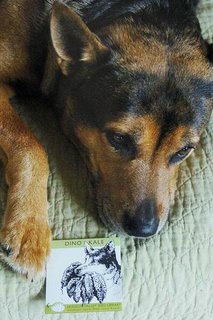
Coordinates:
(25, 245)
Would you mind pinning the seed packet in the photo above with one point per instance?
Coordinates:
(84, 275)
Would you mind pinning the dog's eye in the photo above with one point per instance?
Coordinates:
(122, 143)
(181, 154)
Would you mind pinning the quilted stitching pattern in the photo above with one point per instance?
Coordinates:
(167, 277)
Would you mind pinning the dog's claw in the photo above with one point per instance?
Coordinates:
(30, 277)
(6, 249)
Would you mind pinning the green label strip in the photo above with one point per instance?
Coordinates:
(95, 307)
(78, 243)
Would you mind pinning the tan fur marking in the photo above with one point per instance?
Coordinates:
(151, 56)
(136, 53)
(145, 129)
(25, 226)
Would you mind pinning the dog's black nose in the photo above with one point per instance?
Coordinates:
(144, 222)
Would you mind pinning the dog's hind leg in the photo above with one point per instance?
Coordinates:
(25, 235)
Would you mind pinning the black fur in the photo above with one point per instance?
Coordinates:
(97, 13)
(99, 92)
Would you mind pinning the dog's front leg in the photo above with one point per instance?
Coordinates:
(25, 235)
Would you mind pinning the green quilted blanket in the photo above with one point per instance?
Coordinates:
(169, 277)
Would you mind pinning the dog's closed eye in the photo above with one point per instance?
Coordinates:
(181, 154)
(123, 143)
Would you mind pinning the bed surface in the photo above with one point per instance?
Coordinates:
(169, 277)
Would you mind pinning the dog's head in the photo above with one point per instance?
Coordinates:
(97, 260)
(138, 97)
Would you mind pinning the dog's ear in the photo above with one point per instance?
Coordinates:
(88, 248)
(72, 39)
(109, 247)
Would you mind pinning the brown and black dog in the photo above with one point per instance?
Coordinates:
(132, 82)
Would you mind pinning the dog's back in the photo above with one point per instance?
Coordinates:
(23, 39)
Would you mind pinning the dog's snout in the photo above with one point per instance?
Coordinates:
(144, 222)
